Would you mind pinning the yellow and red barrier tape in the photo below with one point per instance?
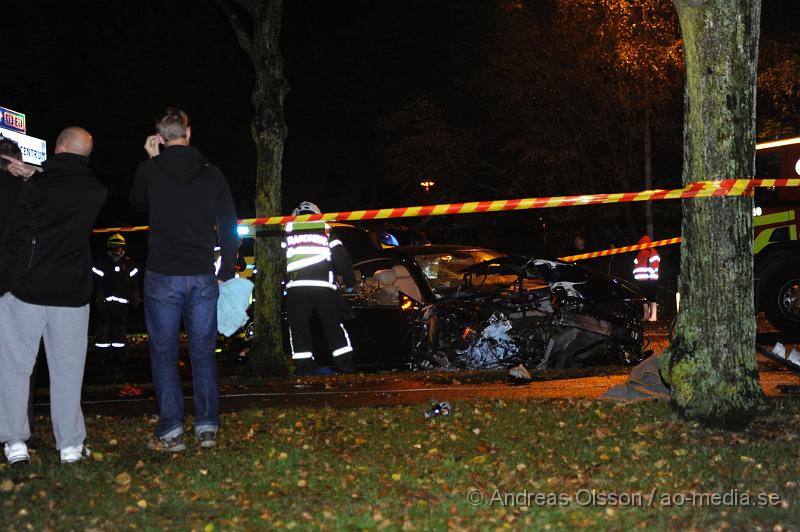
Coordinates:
(700, 189)
(622, 249)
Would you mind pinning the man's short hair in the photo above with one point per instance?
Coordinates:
(9, 148)
(172, 124)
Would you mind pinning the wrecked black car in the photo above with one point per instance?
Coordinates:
(461, 307)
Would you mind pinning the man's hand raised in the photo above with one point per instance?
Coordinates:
(18, 168)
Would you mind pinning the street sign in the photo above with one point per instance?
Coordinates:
(34, 151)
(12, 120)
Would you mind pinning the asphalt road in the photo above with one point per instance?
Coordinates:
(381, 389)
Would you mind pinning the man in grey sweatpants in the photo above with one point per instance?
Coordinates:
(46, 285)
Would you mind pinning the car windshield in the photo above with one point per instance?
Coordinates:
(443, 270)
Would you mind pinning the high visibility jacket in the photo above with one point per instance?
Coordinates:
(116, 280)
(312, 257)
(645, 265)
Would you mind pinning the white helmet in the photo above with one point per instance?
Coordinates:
(306, 207)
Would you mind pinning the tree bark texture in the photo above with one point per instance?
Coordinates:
(711, 363)
(257, 25)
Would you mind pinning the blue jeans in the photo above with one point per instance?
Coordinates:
(167, 299)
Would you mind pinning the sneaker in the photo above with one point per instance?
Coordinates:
(74, 453)
(207, 439)
(17, 452)
(172, 445)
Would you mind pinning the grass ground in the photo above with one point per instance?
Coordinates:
(492, 464)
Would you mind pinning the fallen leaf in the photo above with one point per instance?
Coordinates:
(141, 503)
(123, 479)
(7, 485)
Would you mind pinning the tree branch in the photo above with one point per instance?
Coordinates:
(245, 40)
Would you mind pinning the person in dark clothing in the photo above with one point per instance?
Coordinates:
(10, 188)
(311, 259)
(46, 275)
(116, 289)
(10, 184)
(191, 211)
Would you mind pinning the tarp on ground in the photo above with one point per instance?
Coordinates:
(644, 384)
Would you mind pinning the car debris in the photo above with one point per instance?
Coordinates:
(437, 409)
(533, 312)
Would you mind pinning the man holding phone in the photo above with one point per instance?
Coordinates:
(190, 212)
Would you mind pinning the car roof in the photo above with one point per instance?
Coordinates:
(433, 249)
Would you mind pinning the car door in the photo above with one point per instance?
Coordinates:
(384, 310)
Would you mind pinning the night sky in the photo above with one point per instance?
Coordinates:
(111, 67)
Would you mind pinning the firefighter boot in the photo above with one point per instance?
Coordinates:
(344, 362)
(304, 366)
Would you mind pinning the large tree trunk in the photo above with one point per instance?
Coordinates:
(711, 364)
(259, 37)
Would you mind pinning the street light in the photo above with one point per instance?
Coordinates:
(427, 184)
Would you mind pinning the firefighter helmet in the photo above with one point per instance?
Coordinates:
(306, 207)
(115, 240)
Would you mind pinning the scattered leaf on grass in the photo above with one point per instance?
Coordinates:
(123, 479)
(7, 485)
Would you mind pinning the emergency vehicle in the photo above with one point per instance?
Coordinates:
(776, 247)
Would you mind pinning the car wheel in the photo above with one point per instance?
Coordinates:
(782, 300)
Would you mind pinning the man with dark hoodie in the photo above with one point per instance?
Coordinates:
(191, 211)
(46, 285)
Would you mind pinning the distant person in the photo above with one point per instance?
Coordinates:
(578, 245)
(312, 259)
(46, 280)
(116, 289)
(191, 211)
(645, 273)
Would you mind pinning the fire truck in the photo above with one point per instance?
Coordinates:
(777, 249)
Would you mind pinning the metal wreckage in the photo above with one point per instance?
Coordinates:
(462, 307)
(534, 312)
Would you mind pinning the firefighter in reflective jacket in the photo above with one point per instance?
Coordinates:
(311, 260)
(116, 290)
(645, 273)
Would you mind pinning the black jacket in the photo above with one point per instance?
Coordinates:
(10, 189)
(116, 278)
(191, 211)
(46, 259)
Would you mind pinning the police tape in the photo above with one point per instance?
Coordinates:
(699, 189)
(622, 249)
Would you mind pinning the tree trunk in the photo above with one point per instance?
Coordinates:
(259, 37)
(711, 364)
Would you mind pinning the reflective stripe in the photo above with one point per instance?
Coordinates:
(117, 344)
(117, 299)
(335, 243)
(133, 272)
(302, 356)
(102, 345)
(342, 351)
(345, 349)
(299, 264)
(321, 284)
(655, 258)
(98, 272)
(307, 250)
